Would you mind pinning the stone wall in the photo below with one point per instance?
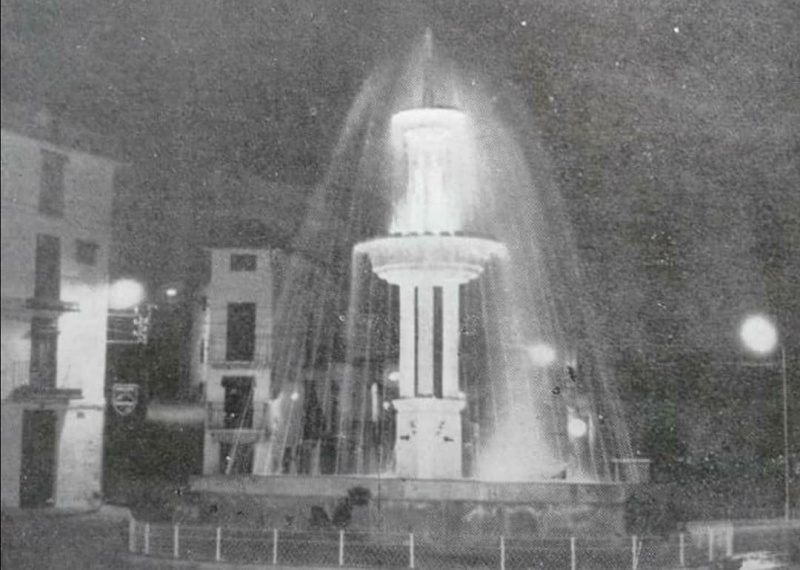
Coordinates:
(432, 509)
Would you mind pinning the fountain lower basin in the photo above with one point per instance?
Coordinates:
(430, 508)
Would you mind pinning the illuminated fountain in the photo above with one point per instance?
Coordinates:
(428, 172)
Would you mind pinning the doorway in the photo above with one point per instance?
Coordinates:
(38, 469)
(238, 402)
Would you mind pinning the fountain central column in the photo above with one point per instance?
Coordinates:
(428, 443)
(429, 264)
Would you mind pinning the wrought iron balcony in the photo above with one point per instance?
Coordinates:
(15, 373)
(52, 306)
(247, 424)
(23, 385)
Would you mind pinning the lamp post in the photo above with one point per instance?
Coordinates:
(760, 335)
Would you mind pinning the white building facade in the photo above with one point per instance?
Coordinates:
(56, 236)
(232, 359)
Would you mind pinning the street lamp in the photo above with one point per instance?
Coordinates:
(760, 335)
(125, 294)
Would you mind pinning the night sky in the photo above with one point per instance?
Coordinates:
(672, 126)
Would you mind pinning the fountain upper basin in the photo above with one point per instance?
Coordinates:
(438, 259)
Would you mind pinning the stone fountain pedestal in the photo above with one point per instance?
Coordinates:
(428, 443)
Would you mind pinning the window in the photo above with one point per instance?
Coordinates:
(86, 252)
(47, 281)
(243, 262)
(44, 353)
(241, 337)
(51, 193)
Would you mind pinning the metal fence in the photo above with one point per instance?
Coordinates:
(247, 545)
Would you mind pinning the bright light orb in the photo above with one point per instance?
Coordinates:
(294, 396)
(542, 354)
(759, 334)
(576, 427)
(125, 294)
(171, 292)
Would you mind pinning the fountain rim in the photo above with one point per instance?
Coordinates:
(428, 234)
(429, 257)
(413, 114)
(444, 120)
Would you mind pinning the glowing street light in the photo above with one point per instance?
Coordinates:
(125, 294)
(760, 335)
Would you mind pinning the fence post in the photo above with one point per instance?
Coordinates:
(146, 538)
(710, 544)
(341, 548)
(274, 546)
(729, 540)
(218, 551)
(682, 550)
(175, 542)
(132, 535)
(573, 560)
(411, 550)
(502, 553)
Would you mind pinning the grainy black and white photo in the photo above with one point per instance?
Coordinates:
(385, 284)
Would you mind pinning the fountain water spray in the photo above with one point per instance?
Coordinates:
(428, 160)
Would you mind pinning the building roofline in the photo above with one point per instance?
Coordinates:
(39, 124)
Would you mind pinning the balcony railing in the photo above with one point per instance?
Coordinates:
(54, 306)
(254, 418)
(15, 374)
(21, 385)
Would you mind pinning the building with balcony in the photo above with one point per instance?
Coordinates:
(231, 362)
(263, 336)
(57, 192)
